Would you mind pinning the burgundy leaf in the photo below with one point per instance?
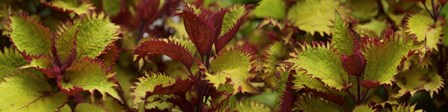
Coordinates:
(180, 87)
(370, 84)
(111, 55)
(287, 99)
(166, 47)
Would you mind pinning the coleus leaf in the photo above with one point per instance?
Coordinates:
(384, 58)
(235, 66)
(343, 39)
(148, 84)
(29, 36)
(231, 24)
(10, 62)
(363, 108)
(303, 80)
(271, 8)
(323, 63)
(251, 106)
(87, 74)
(416, 80)
(93, 32)
(315, 15)
(171, 48)
(71, 6)
(26, 92)
(87, 107)
(203, 27)
(308, 103)
(273, 55)
(425, 29)
(112, 7)
(159, 102)
(373, 29)
(405, 108)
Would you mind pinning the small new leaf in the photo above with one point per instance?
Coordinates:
(342, 40)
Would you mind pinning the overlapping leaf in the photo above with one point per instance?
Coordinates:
(71, 6)
(306, 81)
(93, 34)
(86, 107)
(10, 62)
(271, 8)
(308, 103)
(87, 74)
(363, 108)
(26, 93)
(148, 84)
(415, 80)
(425, 29)
(322, 63)
(231, 24)
(234, 65)
(29, 36)
(171, 48)
(315, 15)
(249, 106)
(405, 108)
(383, 59)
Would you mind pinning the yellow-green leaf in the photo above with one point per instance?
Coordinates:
(416, 80)
(86, 107)
(10, 62)
(271, 8)
(147, 84)
(363, 108)
(342, 40)
(425, 29)
(73, 6)
(29, 36)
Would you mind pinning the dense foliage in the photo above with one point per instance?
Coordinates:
(223, 55)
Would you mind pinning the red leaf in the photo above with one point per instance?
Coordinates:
(288, 97)
(203, 29)
(180, 87)
(370, 84)
(166, 47)
(354, 64)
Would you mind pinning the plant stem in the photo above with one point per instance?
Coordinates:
(359, 90)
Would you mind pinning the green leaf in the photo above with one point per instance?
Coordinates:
(420, 79)
(159, 102)
(234, 65)
(270, 8)
(405, 108)
(383, 59)
(28, 93)
(315, 15)
(86, 107)
(274, 55)
(323, 63)
(93, 34)
(72, 6)
(363, 10)
(342, 40)
(363, 108)
(373, 29)
(147, 84)
(112, 7)
(425, 29)
(29, 36)
(249, 106)
(231, 19)
(10, 62)
(89, 75)
(308, 103)
(303, 80)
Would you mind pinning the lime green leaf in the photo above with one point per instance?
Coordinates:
(86, 107)
(363, 10)
(322, 63)
(147, 84)
(65, 108)
(41, 62)
(251, 107)
(89, 75)
(112, 7)
(342, 40)
(271, 8)
(93, 34)
(405, 108)
(234, 65)
(29, 36)
(159, 102)
(424, 28)
(373, 29)
(308, 103)
(315, 15)
(363, 108)
(27, 93)
(231, 19)
(73, 6)
(383, 60)
(306, 81)
(10, 62)
(274, 54)
(416, 80)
